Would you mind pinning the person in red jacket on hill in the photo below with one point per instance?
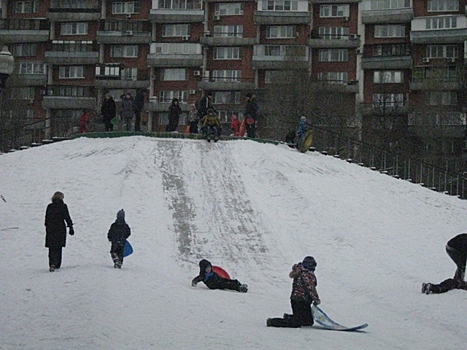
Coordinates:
(235, 125)
(303, 295)
(84, 122)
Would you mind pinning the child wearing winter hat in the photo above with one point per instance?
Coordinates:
(213, 281)
(118, 233)
(303, 295)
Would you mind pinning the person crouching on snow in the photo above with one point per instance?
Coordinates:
(213, 281)
(303, 295)
(118, 234)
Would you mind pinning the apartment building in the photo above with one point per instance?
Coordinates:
(399, 63)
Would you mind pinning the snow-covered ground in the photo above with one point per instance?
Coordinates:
(254, 209)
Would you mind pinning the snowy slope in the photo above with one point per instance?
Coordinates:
(254, 209)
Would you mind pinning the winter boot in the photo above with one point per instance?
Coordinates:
(269, 322)
(243, 288)
(426, 288)
(286, 316)
(52, 268)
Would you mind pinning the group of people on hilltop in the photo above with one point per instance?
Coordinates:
(130, 109)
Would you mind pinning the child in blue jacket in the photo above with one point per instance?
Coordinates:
(213, 281)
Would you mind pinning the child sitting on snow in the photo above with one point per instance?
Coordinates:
(213, 281)
(118, 234)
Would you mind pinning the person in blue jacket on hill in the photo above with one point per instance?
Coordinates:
(213, 281)
(303, 295)
(302, 130)
(118, 234)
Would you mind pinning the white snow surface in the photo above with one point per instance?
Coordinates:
(254, 209)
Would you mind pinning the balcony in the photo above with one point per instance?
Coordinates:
(124, 32)
(387, 62)
(435, 84)
(223, 84)
(69, 97)
(281, 17)
(23, 30)
(280, 57)
(17, 80)
(325, 41)
(441, 123)
(175, 55)
(209, 40)
(387, 12)
(111, 76)
(439, 30)
(123, 37)
(80, 10)
(72, 52)
(345, 87)
(194, 15)
(384, 108)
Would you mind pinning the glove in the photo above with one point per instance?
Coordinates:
(71, 231)
(316, 302)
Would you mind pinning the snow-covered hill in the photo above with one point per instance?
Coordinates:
(254, 209)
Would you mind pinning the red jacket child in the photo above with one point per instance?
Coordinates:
(235, 125)
(83, 123)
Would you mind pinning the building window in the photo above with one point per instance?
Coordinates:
(389, 31)
(227, 97)
(442, 98)
(22, 93)
(226, 75)
(334, 32)
(227, 53)
(228, 31)
(333, 55)
(175, 48)
(443, 5)
(442, 51)
(391, 50)
(179, 4)
(388, 77)
(22, 50)
(124, 7)
(130, 74)
(279, 5)
(281, 32)
(136, 26)
(173, 74)
(108, 71)
(26, 6)
(74, 28)
(333, 77)
(168, 96)
(388, 100)
(441, 22)
(334, 11)
(376, 5)
(31, 68)
(128, 51)
(233, 9)
(71, 72)
(175, 30)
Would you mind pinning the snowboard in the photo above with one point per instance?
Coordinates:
(127, 249)
(325, 322)
(305, 142)
(220, 271)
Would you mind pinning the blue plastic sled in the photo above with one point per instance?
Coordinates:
(127, 249)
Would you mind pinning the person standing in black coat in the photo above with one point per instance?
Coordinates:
(108, 111)
(56, 216)
(251, 115)
(138, 105)
(174, 115)
(117, 236)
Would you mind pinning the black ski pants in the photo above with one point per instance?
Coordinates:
(459, 259)
(55, 257)
(448, 285)
(116, 251)
(302, 316)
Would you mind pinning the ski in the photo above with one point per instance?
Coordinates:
(325, 322)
